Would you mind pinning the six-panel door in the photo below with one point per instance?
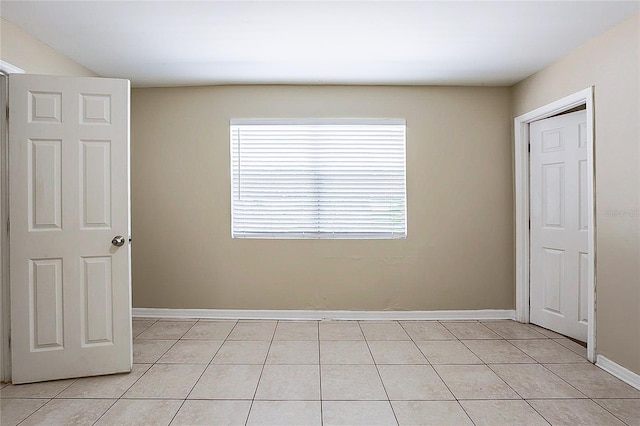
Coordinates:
(69, 196)
(559, 219)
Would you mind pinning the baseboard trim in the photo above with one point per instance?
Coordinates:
(619, 371)
(484, 314)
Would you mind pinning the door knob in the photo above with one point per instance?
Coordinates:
(118, 241)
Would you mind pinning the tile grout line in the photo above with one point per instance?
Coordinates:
(261, 371)
(153, 364)
(571, 349)
(471, 350)
(607, 410)
(525, 400)
(442, 323)
(539, 413)
(436, 371)
(488, 366)
(542, 336)
(39, 408)
(125, 391)
(145, 329)
(504, 381)
(504, 339)
(107, 410)
(572, 399)
(583, 361)
(379, 375)
(156, 362)
(46, 403)
(167, 350)
(569, 384)
(203, 371)
(496, 374)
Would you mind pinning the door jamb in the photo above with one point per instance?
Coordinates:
(5, 301)
(521, 130)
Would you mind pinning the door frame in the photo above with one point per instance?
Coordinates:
(522, 211)
(5, 301)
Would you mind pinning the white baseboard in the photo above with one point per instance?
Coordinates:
(619, 371)
(485, 314)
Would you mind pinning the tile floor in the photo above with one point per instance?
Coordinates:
(336, 373)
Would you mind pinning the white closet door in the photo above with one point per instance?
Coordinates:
(559, 220)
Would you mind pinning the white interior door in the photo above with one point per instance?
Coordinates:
(69, 197)
(559, 224)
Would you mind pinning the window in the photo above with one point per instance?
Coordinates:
(318, 179)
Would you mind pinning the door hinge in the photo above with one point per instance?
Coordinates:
(529, 224)
(529, 147)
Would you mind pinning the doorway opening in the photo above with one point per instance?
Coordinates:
(523, 207)
(5, 305)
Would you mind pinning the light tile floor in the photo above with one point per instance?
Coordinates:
(189, 372)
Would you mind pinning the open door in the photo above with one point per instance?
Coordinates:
(559, 224)
(69, 227)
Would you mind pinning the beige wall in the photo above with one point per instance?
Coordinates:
(23, 50)
(609, 62)
(459, 250)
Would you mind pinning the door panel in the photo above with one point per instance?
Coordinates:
(583, 274)
(97, 305)
(559, 217)
(583, 215)
(69, 196)
(553, 195)
(46, 304)
(95, 184)
(44, 171)
(552, 273)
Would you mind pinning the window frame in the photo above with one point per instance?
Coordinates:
(349, 235)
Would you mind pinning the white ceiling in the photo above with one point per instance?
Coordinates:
(165, 43)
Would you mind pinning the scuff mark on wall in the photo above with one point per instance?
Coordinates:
(398, 260)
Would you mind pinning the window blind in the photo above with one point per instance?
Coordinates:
(318, 179)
